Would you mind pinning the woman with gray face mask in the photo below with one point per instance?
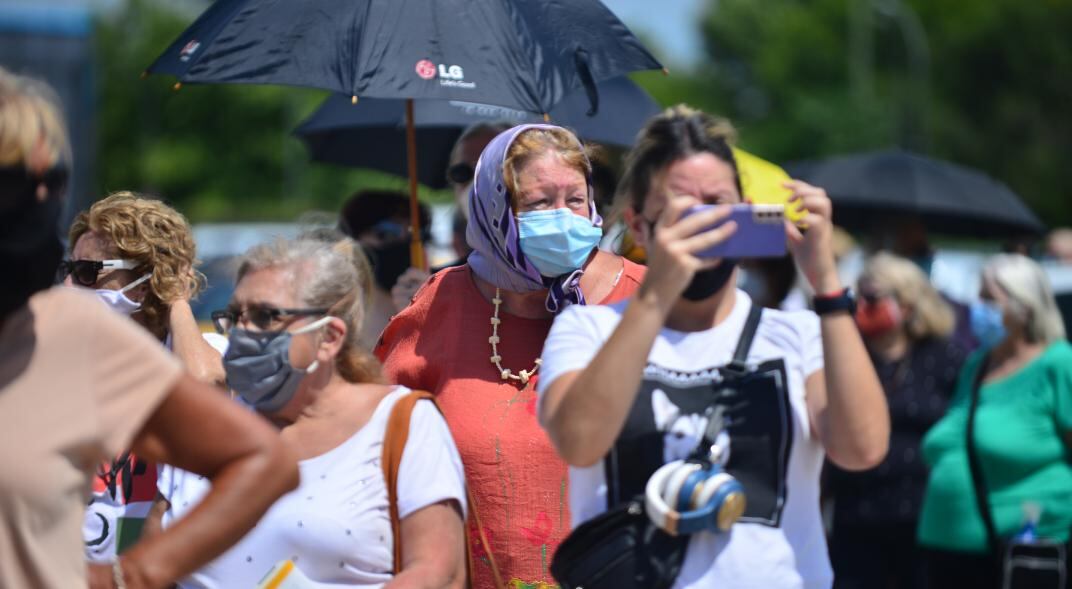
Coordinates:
(293, 325)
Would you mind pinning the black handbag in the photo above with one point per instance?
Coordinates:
(619, 549)
(1038, 564)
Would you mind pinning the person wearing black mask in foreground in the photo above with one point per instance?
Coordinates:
(629, 389)
(79, 383)
(379, 221)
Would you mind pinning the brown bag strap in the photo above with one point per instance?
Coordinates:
(394, 443)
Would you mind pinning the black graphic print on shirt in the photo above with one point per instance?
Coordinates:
(668, 420)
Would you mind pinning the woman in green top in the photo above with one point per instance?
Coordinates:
(1021, 431)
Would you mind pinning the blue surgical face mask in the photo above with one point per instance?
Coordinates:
(987, 323)
(258, 366)
(557, 242)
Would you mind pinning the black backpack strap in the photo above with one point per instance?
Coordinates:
(610, 475)
(739, 364)
(978, 483)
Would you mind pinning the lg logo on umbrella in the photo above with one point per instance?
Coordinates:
(426, 69)
(449, 75)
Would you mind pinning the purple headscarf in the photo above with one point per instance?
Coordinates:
(493, 233)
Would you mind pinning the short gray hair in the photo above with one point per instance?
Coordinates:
(1030, 295)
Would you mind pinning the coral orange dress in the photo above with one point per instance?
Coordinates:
(440, 344)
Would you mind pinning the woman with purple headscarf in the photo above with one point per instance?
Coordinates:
(474, 333)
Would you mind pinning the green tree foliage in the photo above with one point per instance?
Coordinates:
(984, 84)
(217, 152)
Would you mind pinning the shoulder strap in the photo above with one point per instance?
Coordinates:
(744, 344)
(394, 443)
(978, 483)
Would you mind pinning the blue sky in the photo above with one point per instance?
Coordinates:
(670, 25)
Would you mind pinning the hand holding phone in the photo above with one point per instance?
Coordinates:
(760, 232)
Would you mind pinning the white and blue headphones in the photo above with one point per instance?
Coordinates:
(688, 496)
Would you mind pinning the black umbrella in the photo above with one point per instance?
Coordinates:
(371, 134)
(951, 199)
(524, 54)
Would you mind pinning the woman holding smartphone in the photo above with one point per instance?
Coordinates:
(631, 387)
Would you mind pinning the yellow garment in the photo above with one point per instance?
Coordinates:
(762, 182)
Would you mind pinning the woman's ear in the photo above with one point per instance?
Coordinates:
(636, 224)
(334, 337)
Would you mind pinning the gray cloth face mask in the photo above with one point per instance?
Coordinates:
(258, 366)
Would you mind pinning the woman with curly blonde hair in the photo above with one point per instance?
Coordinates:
(906, 326)
(137, 253)
(143, 251)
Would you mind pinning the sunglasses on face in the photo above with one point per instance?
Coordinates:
(263, 318)
(460, 174)
(87, 272)
(390, 230)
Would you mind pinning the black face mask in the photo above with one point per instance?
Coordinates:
(708, 282)
(389, 262)
(30, 247)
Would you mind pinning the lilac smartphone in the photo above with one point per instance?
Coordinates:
(760, 232)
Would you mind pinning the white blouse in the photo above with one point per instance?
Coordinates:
(335, 526)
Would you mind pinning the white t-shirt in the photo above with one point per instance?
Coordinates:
(791, 554)
(335, 526)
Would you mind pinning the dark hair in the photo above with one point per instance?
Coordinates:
(492, 128)
(604, 179)
(676, 133)
(366, 208)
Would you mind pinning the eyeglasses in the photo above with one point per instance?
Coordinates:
(263, 318)
(460, 173)
(86, 272)
(388, 230)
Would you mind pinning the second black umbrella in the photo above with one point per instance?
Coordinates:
(371, 133)
(868, 188)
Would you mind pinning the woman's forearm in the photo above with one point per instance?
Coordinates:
(585, 411)
(199, 358)
(433, 549)
(241, 492)
(197, 430)
(854, 425)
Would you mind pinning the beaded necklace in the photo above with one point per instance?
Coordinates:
(494, 340)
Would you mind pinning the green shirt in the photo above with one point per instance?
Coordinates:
(1019, 428)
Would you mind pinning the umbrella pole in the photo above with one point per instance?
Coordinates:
(416, 248)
